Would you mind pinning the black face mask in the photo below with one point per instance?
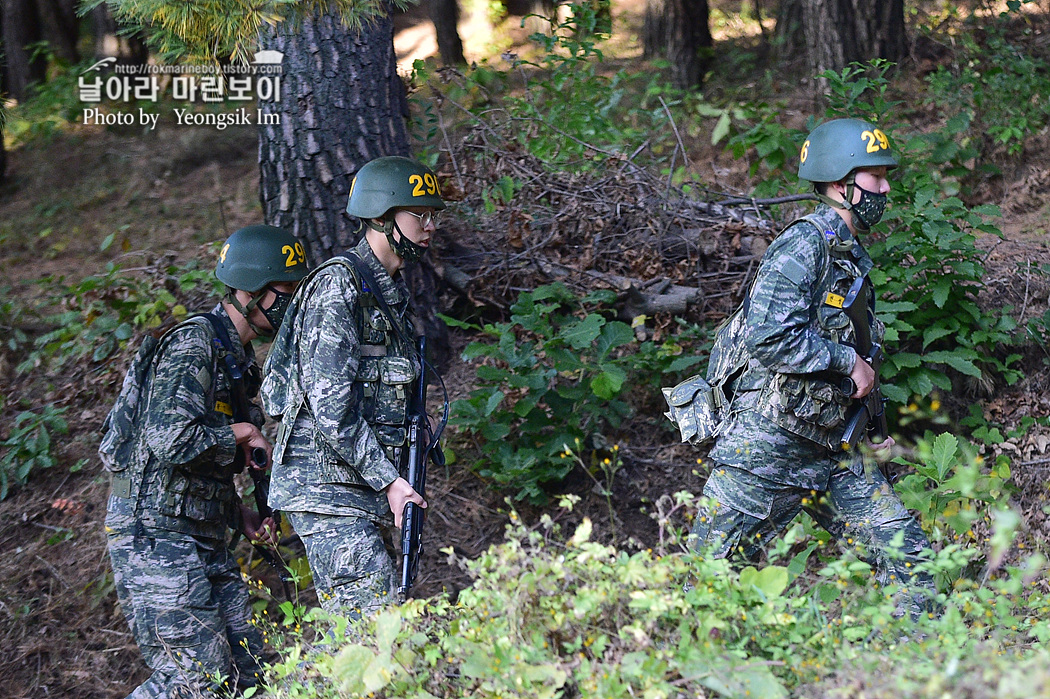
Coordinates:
(275, 313)
(405, 248)
(869, 210)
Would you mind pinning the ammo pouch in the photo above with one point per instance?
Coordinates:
(385, 384)
(810, 400)
(198, 499)
(698, 409)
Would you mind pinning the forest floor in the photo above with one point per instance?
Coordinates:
(169, 195)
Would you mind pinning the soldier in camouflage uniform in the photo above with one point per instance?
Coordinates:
(170, 508)
(779, 450)
(339, 376)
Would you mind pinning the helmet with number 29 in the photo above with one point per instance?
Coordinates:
(833, 152)
(836, 148)
(384, 185)
(254, 258)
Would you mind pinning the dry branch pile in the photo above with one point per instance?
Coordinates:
(612, 225)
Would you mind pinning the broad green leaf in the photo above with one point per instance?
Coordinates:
(388, 625)
(945, 447)
(583, 332)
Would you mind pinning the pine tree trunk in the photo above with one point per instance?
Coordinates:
(21, 28)
(445, 16)
(342, 104)
(60, 27)
(840, 32)
(679, 28)
(109, 41)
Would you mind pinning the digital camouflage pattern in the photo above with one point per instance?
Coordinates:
(778, 452)
(696, 408)
(338, 375)
(350, 560)
(168, 516)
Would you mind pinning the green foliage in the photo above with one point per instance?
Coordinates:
(28, 445)
(552, 383)
(951, 488)
(100, 313)
(561, 106)
(207, 31)
(552, 379)
(51, 104)
(998, 86)
(549, 617)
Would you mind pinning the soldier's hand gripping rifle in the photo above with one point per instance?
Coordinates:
(867, 414)
(422, 444)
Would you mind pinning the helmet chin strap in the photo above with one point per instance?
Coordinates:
(245, 311)
(851, 183)
(408, 251)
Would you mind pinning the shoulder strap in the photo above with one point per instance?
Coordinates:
(370, 285)
(224, 345)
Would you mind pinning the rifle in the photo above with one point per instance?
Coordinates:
(868, 414)
(260, 477)
(422, 444)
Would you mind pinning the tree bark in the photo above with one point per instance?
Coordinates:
(60, 27)
(679, 28)
(21, 27)
(109, 41)
(445, 16)
(840, 32)
(342, 104)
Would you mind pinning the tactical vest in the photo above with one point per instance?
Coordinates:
(197, 499)
(386, 371)
(809, 405)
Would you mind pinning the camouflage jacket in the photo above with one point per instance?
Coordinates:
(794, 331)
(338, 376)
(182, 478)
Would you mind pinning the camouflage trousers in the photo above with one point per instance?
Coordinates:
(350, 559)
(862, 511)
(188, 608)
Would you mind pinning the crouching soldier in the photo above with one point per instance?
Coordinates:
(173, 445)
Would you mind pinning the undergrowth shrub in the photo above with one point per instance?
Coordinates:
(554, 381)
(995, 85)
(549, 616)
(29, 446)
(94, 317)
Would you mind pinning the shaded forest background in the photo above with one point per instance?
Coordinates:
(642, 182)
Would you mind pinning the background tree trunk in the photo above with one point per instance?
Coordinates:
(840, 32)
(342, 104)
(790, 41)
(21, 27)
(109, 41)
(679, 28)
(445, 16)
(60, 27)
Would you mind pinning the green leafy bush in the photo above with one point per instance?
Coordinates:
(551, 384)
(550, 617)
(102, 311)
(27, 446)
(950, 488)
(998, 86)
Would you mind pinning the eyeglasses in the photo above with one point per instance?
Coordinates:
(425, 218)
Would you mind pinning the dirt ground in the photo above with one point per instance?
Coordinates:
(169, 194)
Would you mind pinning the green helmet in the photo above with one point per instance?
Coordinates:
(391, 182)
(838, 147)
(258, 255)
